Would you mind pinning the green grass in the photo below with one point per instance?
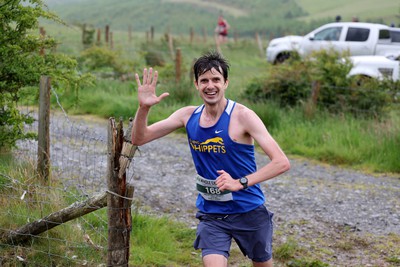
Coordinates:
(341, 140)
(363, 9)
(157, 241)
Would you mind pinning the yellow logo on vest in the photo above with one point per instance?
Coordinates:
(212, 145)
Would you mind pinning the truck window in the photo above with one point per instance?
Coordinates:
(384, 34)
(329, 34)
(357, 34)
(395, 36)
(384, 37)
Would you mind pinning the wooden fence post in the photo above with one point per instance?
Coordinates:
(191, 35)
(260, 46)
(119, 200)
(43, 159)
(312, 102)
(98, 42)
(178, 63)
(152, 33)
(204, 35)
(316, 86)
(171, 45)
(235, 36)
(217, 45)
(130, 34)
(107, 33)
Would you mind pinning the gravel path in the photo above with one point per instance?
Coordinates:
(164, 175)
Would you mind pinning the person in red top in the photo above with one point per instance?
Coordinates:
(222, 30)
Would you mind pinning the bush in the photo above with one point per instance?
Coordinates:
(22, 64)
(97, 58)
(323, 80)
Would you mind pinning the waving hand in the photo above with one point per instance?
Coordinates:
(147, 91)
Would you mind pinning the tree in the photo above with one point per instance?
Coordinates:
(22, 63)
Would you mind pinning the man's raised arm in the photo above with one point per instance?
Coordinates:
(147, 98)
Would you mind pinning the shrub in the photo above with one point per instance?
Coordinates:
(321, 79)
(22, 64)
(97, 58)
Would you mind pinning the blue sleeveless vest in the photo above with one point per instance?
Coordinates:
(212, 149)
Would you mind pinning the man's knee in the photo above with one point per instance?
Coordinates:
(215, 260)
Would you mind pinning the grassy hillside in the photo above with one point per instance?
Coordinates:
(277, 17)
(385, 10)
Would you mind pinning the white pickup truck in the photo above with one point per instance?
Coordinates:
(378, 67)
(357, 38)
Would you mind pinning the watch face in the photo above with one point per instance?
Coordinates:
(243, 180)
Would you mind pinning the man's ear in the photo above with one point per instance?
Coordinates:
(226, 83)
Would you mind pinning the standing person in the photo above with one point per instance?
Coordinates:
(221, 135)
(222, 30)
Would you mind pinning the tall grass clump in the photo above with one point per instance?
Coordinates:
(25, 199)
(156, 241)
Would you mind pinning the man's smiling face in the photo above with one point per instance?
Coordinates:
(211, 86)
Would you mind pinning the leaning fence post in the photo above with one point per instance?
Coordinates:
(43, 159)
(120, 154)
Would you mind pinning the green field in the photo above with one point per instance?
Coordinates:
(363, 9)
(270, 16)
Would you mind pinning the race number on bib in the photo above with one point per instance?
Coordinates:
(210, 191)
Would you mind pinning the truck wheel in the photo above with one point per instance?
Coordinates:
(360, 79)
(282, 57)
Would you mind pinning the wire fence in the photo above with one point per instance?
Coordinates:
(78, 160)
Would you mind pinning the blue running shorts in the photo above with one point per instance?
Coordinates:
(252, 231)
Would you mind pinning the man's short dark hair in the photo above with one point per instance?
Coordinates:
(208, 61)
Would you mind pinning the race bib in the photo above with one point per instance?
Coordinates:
(210, 191)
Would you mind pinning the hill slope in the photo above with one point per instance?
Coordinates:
(245, 17)
(386, 10)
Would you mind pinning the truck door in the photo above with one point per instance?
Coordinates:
(327, 38)
(357, 41)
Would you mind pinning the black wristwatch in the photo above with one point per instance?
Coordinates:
(243, 181)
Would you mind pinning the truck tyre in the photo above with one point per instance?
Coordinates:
(282, 57)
